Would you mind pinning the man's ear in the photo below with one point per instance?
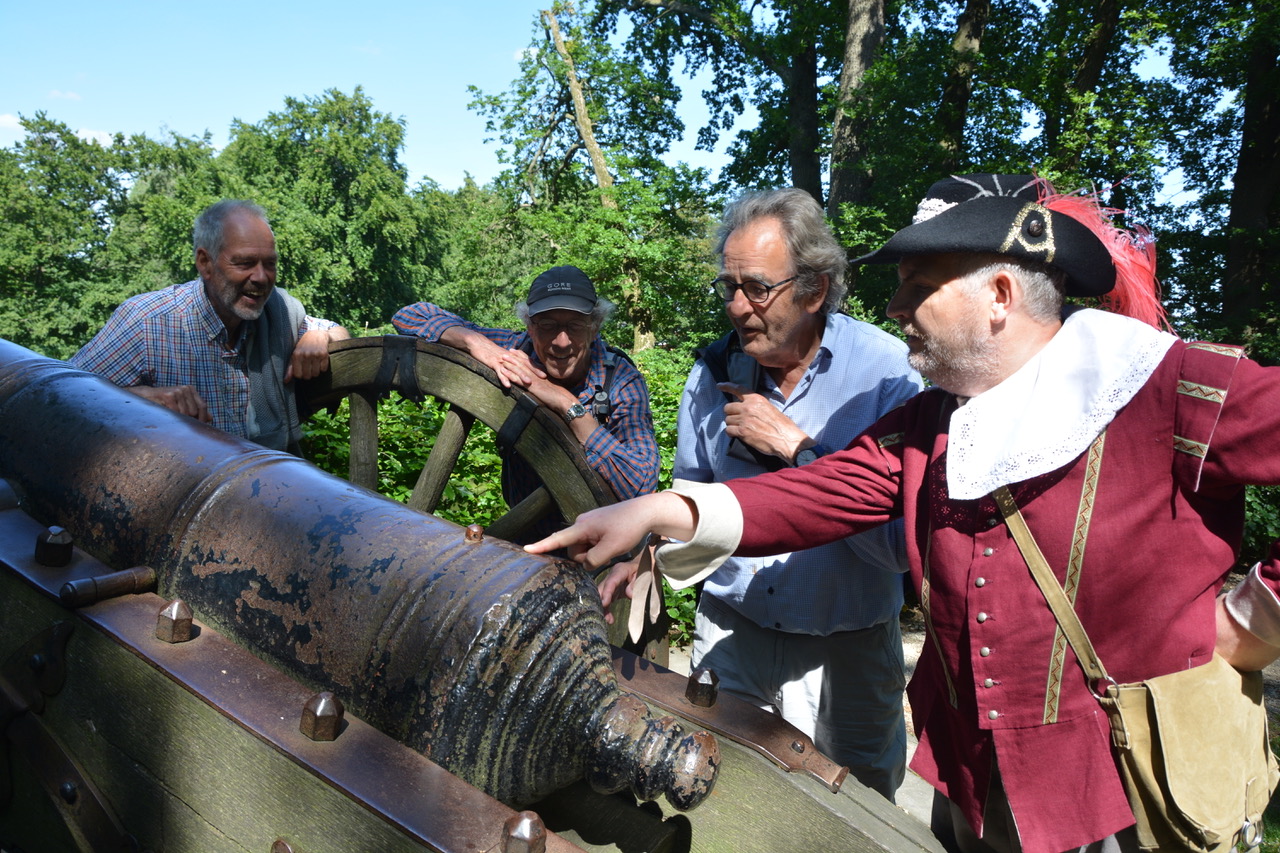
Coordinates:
(1004, 289)
(204, 263)
(819, 297)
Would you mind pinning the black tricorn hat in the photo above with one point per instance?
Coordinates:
(1002, 214)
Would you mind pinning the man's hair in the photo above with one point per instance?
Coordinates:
(1042, 285)
(809, 240)
(207, 232)
(599, 315)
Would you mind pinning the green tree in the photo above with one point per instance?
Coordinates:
(583, 129)
(149, 246)
(1221, 234)
(59, 196)
(327, 170)
(487, 252)
(773, 55)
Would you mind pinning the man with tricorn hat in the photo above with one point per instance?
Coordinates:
(561, 359)
(1123, 450)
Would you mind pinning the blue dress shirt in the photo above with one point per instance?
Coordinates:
(858, 374)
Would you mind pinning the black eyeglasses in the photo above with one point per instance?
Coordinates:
(575, 328)
(755, 290)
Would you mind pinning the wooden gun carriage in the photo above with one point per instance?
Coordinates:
(208, 646)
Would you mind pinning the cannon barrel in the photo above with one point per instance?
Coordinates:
(491, 662)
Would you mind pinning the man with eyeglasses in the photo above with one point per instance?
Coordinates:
(561, 359)
(813, 634)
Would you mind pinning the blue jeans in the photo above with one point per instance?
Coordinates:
(843, 690)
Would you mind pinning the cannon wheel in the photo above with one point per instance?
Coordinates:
(362, 370)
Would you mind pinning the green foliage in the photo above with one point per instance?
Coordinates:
(640, 231)
(629, 110)
(58, 196)
(327, 170)
(1261, 525)
(665, 372)
(406, 434)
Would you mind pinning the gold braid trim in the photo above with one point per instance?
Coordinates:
(893, 438)
(1220, 349)
(1202, 392)
(1190, 447)
(1075, 564)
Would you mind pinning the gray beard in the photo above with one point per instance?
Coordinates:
(952, 365)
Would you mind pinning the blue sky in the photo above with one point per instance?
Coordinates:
(151, 68)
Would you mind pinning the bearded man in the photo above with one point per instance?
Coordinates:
(225, 347)
(1125, 452)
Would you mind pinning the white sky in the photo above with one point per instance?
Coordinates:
(151, 67)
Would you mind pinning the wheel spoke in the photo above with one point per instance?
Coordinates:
(442, 460)
(521, 517)
(364, 439)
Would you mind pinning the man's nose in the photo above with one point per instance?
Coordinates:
(562, 339)
(739, 305)
(896, 309)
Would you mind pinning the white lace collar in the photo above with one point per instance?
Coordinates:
(1047, 414)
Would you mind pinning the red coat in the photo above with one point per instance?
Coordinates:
(1166, 528)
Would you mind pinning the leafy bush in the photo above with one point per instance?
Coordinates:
(1261, 523)
(665, 371)
(406, 434)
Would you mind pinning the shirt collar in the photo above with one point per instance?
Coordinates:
(1050, 411)
(211, 325)
(831, 333)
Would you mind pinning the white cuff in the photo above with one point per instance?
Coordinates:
(1256, 608)
(717, 536)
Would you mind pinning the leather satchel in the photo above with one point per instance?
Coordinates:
(1191, 746)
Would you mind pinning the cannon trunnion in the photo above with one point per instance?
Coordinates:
(476, 679)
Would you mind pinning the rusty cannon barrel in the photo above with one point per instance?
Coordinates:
(491, 662)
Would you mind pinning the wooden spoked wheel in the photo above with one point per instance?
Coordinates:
(362, 370)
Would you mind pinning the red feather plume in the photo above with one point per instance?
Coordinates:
(1133, 252)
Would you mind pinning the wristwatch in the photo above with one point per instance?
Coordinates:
(809, 454)
(574, 412)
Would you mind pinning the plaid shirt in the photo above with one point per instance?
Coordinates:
(624, 452)
(174, 337)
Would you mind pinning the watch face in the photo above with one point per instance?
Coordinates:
(575, 411)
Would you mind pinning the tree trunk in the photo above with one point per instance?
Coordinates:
(1252, 265)
(581, 118)
(642, 336)
(804, 141)
(1097, 47)
(958, 88)
(864, 33)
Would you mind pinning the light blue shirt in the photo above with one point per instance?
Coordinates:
(858, 374)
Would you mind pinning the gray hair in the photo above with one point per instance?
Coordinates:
(599, 315)
(207, 232)
(812, 246)
(1042, 285)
